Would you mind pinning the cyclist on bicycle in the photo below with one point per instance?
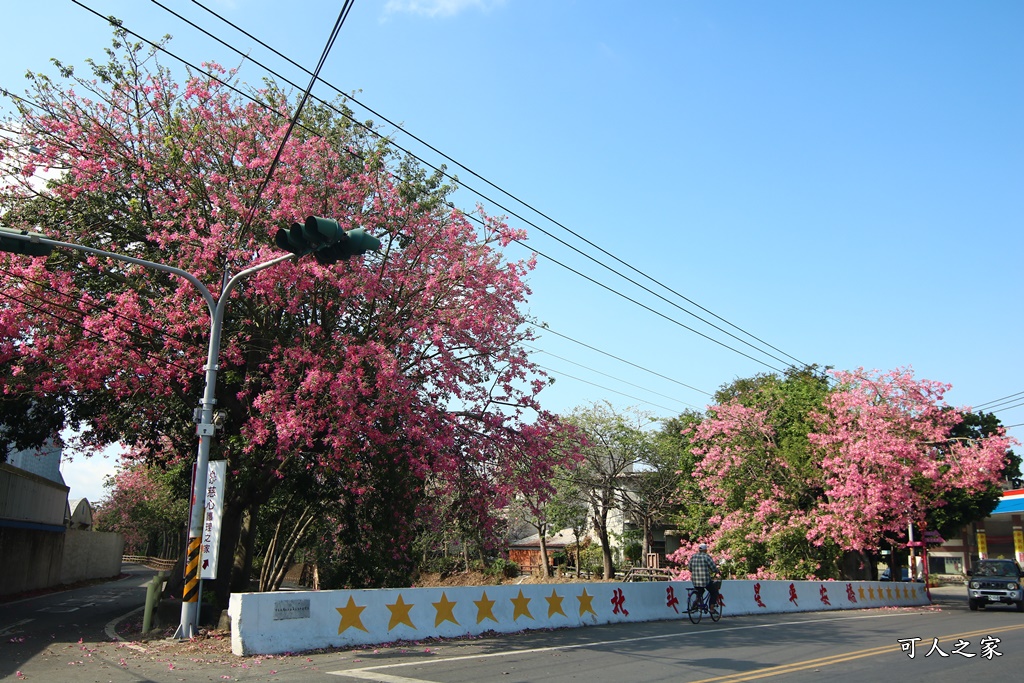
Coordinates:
(702, 569)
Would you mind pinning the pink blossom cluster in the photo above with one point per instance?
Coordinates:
(410, 358)
(880, 454)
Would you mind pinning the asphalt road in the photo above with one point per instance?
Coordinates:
(68, 637)
(55, 626)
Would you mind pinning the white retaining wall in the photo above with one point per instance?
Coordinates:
(273, 623)
(90, 555)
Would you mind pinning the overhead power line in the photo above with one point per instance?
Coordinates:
(999, 410)
(594, 384)
(621, 360)
(104, 308)
(605, 374)
(345, 9)
(469, 216)
(482, 195)
(572, 270)
(98, 335)
(998, 401)
(163, 333)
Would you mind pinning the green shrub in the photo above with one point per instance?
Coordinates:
(633, 551)
(503, 568)
(445, 566)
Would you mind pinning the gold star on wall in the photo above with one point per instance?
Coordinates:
(444, 611)
(521, 606)
(350, 616)
(585, 603)
(484, 609)
(400, 613)
(871, 592)
(860, 590)
(554, 605)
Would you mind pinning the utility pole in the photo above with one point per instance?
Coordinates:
(323, 238)
(34, 244)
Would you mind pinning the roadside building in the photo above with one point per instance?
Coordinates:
(998, 536)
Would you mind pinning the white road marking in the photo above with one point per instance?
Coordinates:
(110, 629)
(9, 630)
(376, 677)
(373, 673)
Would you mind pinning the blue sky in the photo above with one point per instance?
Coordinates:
(842, 180)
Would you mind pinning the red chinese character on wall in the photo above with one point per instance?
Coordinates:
(618, 602)
(824, 595)
(849, 593)
(672, 600)
(792, 594)
(757, 594)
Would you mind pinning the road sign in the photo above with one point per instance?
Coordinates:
(213, 513)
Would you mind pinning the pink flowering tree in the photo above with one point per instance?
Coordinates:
(142, 505)
(799, 479)
(752, 483)
(888, 453)
(361, 385)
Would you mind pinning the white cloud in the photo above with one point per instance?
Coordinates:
(438, 8)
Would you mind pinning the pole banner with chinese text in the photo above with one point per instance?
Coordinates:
(213, 513)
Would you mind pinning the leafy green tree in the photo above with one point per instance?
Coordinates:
(692, 508)
(650, 493)
(612, 444)
(569, 509)
(753, 511)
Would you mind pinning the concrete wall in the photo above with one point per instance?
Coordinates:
(27, 497)
(30, 559)
(34, 558)
(90, 555)
(272, 623)
(36, 550)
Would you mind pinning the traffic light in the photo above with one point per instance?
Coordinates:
(325, 238)
(25, 247)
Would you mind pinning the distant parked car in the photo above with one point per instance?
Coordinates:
(904, 574)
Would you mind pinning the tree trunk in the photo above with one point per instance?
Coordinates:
(577, 536)
(282, 549)
(238, 531)
(601, 524)
(544, 571)
(856, 566)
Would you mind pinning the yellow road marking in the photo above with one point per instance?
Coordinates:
(836, 659)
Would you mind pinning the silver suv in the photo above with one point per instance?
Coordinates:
(995, 581)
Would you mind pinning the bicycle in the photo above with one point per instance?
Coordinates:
(697, 604)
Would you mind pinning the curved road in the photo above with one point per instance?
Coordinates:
(40, 641)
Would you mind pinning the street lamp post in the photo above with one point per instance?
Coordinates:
(189, 624)
(23, 242)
